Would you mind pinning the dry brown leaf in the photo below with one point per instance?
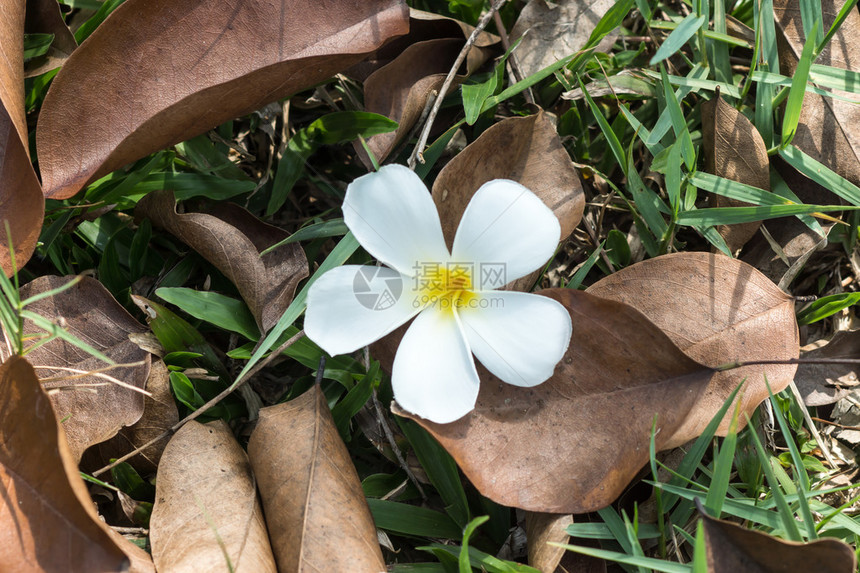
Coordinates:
(827, 127)
(732, 548)
(89, 312)
(401, 88)
(45, 17)
(47, 520)
(206, 508)
(541, 529)
(158, 72)
(559, 447)
(733, 149)
(159, 415)
(21, 204)
(823, 384)
(315, 508)
(231, 238)
(526, 150)
(717, 310)
(552, 32)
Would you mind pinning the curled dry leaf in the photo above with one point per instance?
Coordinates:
(123, 94)
(541, 529)
(400, 89)
(552, 32)
(93, 408)
(21, 204)
(823, 384)
(159, 415)
(231, 238)
(526, 150)
(827, 127)
(573, 443)
(47, 520)
(717, 310)
(732, 548)
(206, 513)
(315, 508)
(735, 150)
(45, 17)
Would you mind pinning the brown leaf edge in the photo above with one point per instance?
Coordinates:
(558, 447)
(718, 310)
(310, 489)
(206, 510)
(47, 519)
(232, 239)
(22, 206)
(732, 548)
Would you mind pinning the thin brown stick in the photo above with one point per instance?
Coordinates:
(513, 63)
(739, 364)
(197, 413)
(417, 154)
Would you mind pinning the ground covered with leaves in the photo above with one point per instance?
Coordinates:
(172, 184)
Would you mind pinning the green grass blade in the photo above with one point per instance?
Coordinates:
(784, 510)
(827, 306)
(411, 520)
(680, 36)
(582, 272)
(798, 90)
(222, 311)
(844, 12)
(344, 249)
(464, 561)
(732, 215)
(624, 558)
(821, 174)
(606, 129)
(723, 464)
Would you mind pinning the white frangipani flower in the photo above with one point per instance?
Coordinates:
(506, 232)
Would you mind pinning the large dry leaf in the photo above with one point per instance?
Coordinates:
(735, 150)
(717, 310)
(21, 204)
(541, 530)
(552, 32)
(527, 150)
(206, 508)
(823, 384)
(159, 415)
(45, 17)
(401, 89)
(47, 520)
(231, 238)
(158, 72)
(315, 508)
(732, 548)
(827, 130)
(573, 443)
(89, 312)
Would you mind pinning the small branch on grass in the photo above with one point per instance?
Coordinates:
(202, 409)
(740, 364)
(513, 64)
(417, 154)
(99, 373)
(390, 436)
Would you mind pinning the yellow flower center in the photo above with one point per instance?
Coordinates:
(448, 286)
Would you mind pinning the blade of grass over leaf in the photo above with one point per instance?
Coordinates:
(606, 129)
(798, 88)
(821, 174)
(733, 215)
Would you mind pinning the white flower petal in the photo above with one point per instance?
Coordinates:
(352, 306)
(518, 336)
(394, 218)
(507, 231)
(434, 373)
